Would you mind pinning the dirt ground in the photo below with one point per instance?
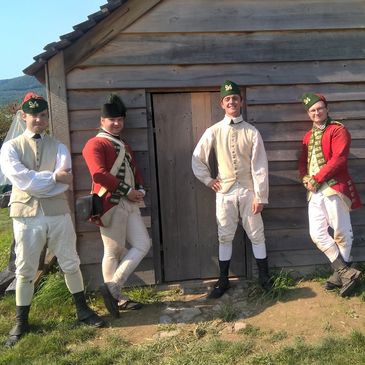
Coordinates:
(307, 312)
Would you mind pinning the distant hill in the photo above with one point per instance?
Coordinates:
(13, 90)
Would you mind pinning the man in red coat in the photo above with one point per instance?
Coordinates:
(113, 169)
(331, 192)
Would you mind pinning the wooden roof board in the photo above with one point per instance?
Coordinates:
(268, 19)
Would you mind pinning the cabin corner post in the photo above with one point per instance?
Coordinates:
(58, 109)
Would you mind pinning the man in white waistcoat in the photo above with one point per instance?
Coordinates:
(39, 169)
(241, 186)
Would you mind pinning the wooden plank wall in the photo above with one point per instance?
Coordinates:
(278, 50)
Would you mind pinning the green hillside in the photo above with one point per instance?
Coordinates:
(13, 90)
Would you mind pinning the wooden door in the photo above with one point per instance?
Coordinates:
(187, 207)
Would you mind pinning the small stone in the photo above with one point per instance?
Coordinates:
(165, 319)
(171, 310)
(187, 314)
(168, 334)
(227, 330)
(238, 326)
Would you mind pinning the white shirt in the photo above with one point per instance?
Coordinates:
(234, 163)
(40, 184)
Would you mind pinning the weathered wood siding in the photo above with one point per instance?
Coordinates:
(277, 50)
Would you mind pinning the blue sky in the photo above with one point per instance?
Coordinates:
(27, 26)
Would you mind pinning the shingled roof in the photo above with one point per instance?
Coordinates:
(67, 39)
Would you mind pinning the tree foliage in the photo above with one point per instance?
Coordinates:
(6, 116)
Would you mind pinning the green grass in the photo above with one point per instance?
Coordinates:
(282, 285)
(66, 345)
(149, 294)
(331, 350)
(227, 313)
(57, 339)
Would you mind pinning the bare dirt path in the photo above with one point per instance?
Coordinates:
(307, 312)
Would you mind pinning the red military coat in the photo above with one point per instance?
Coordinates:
(100, 155)
(336, 142)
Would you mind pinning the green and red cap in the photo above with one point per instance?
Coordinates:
(33, 103)
(309, 99)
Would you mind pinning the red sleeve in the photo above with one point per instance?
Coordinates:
(339, 141)
(99, 157)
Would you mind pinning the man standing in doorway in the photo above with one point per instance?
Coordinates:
(121, 219)
(241, 186)
(331, 192)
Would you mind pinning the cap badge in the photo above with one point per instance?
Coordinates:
(228, 87)
(306, 100)
(33, 104)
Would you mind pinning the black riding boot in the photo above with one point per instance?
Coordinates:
(264, 277)
(222, 285)
(84, 313)
(333, 282)
(349, 276)
(21, 327)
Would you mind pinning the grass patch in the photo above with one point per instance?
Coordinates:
(58, 347)
(227, 312)
(52, 290)
(150, 295)
(53, 298)
(42, 347)
(282, 284)
(251, 331)
(278, 336)
(331, 350)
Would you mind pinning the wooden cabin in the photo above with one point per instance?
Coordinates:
(166, 59)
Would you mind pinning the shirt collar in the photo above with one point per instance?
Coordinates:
(227, 119)
(323, 126)
(30, 134)
(113, 135)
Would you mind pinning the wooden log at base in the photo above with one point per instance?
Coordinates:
(45, 263)
(6, 278)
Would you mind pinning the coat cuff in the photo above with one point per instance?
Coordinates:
(123, 189)
(314, 182)
(305, 179)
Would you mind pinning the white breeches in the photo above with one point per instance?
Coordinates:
(126, 225)
(230, 206)
(325, 212)
(31, 234)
